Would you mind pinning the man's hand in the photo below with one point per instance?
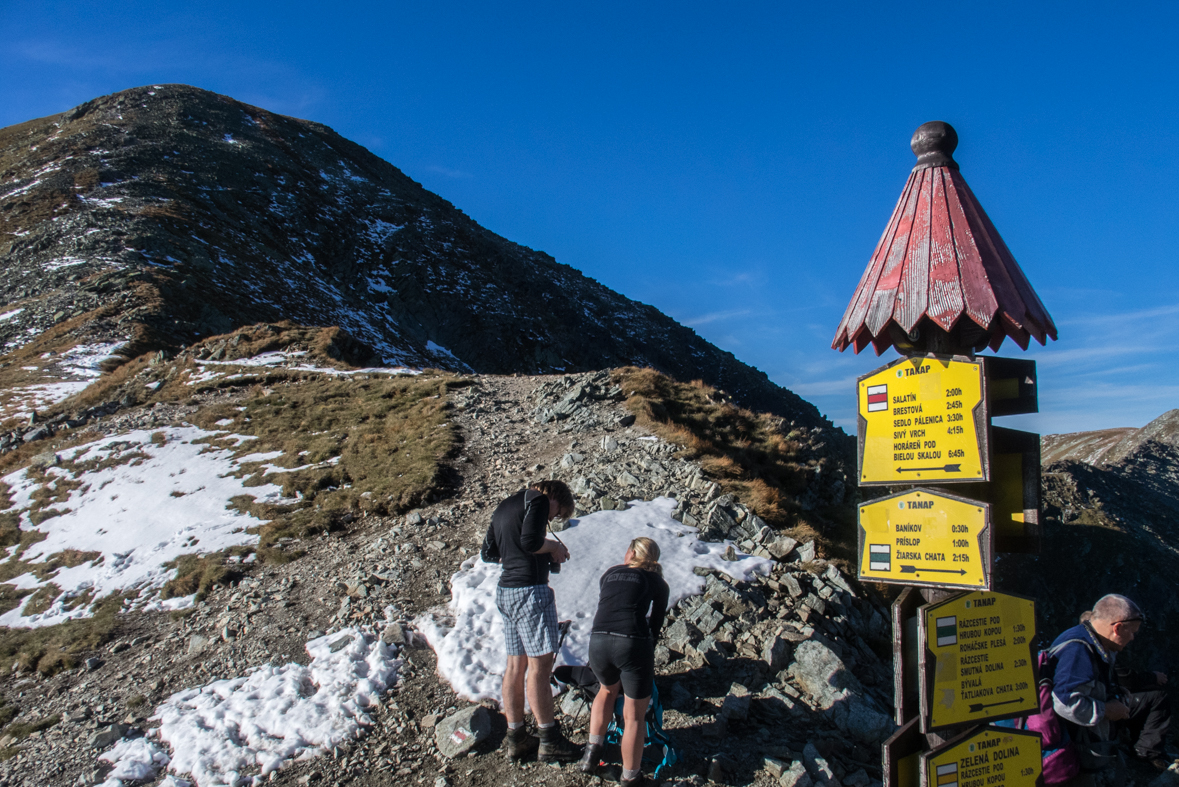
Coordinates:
(1116, 711)
(557, 551)
(1161, 677)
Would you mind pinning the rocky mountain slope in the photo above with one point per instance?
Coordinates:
(784, 679)
(1111, 525)
(165, 213)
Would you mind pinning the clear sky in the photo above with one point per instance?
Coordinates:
(732, 164)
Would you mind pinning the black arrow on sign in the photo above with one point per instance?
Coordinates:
(978, 707)
(914, 570)
(944, 468)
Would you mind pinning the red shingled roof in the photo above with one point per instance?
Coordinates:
(940, 264)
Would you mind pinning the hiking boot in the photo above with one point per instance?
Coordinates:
(1155, 762)
(635, 782)
(592, 758)
(520, 743)
(555, 747)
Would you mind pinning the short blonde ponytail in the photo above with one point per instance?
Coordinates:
(645, 555)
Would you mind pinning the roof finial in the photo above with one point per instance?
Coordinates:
(934, 143)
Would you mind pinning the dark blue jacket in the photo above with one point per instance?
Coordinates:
(1084, 679)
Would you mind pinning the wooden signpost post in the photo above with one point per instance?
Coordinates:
(940, 287)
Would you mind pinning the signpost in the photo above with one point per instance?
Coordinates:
(923, 420)
(927, 538)
(976, 660)
(984, 757)
(940, 287)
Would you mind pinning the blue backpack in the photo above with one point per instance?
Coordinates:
(659, 751)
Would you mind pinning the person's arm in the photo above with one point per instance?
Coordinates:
(1073, 684)
(535, 525)
(554, 549)
(658, 608)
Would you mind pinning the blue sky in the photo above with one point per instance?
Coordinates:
(733, 165)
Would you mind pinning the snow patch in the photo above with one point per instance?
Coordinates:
(151, 504)
(238, 731)
(468, 636)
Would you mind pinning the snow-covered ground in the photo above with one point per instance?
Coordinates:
(140, 504)
(290, 360)
(73, 371)
(468, 635)
(237, 732)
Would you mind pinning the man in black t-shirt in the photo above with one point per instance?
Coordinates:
(516, 538)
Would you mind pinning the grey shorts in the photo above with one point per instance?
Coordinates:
(530, 620)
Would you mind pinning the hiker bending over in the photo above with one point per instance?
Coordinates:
(516, 538)
(1092, 693)
(622, 653)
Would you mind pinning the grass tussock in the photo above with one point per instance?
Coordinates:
(23, 729)
(349, 447)
(54, 648)
(746, 453)
(198, 574)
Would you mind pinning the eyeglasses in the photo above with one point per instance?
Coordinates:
(1131, 620)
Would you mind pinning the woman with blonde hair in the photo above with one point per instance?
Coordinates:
(631, 606)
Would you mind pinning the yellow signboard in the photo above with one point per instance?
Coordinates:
(988, 757)
(976, 659)
(928, 538)
(923, 420)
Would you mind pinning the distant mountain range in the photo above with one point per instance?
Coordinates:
(162, 214)
(1111, 525)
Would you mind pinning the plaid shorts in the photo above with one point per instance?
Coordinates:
(530, 620)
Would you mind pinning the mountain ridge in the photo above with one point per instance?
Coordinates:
(201, 214)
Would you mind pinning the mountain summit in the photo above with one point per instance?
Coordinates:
(166, 213)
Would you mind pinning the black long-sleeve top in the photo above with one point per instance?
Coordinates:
(626, 595)
(519, 525)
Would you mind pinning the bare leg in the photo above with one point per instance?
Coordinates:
(513, 688)
(603, 708)
(540, 696)
(634, 733)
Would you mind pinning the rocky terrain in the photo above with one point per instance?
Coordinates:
(782, 680)
(165, 213)
(1111, 513)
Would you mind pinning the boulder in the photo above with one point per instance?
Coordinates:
(857, 719)
(821, 673)
(462, 731)
(736, 703)
(781, 546)
(776, 653)
(816, 765)
(795, 776)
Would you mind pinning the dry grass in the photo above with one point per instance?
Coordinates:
(746, 453)
(53, 648)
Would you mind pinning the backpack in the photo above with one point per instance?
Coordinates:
(658, 750)
(1061, 760)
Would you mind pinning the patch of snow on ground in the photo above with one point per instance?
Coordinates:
(69, 262)
(470, 649)
(75, 370)
(238, 731)
(127, 512)
(9, 315)
(286, 359)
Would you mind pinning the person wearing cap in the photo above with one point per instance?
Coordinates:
(1094, 694)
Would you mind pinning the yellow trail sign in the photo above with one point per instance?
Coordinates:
(927, 538)
(923, 420)
(985, 757)
(976, 661)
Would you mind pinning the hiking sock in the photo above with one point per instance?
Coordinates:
(597, 740)
(515, 725)
(546, 726)
(631, 775)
